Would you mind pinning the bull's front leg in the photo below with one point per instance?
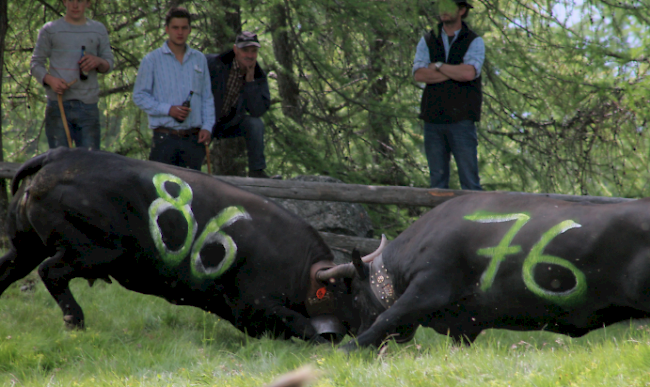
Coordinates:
(267, 315)
(417, 302)
(56, 274)
(295, 324)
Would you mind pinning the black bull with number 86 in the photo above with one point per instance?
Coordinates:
(171, 232)
(512, 261)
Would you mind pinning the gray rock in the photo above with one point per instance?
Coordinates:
(335, 217)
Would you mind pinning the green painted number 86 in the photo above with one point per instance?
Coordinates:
(212, 232)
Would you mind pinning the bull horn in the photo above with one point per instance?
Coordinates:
(368, 258)
(346, 270)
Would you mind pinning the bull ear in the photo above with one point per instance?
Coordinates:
(358, 264)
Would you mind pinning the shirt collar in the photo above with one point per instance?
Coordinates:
(449, 38)
(167, 50)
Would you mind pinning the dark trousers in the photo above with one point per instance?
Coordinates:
(459, 139)
(252, 129)
(83, 122)
(175, 150)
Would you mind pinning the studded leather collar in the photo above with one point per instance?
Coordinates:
(381, 283)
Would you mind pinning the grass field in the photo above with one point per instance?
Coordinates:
(137, 340)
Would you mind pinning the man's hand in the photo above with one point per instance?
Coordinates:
(91, 62)
(204, 136)
(250, 73)
(429, 75)
(57, 84)
(179, 112)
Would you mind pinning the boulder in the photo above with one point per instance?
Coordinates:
(334, 217)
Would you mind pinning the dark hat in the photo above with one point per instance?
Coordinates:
(464, 2)
(246, 39)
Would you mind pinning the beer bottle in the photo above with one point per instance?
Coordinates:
(82, 76)
(186, 103)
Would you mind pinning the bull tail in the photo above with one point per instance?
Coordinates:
(30, 167)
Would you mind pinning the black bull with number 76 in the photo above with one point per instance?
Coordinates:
(171, 232)
(499, 260)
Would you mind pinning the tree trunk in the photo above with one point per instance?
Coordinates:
(380, 126)
(228, 156)
(4, 199)
(283, 49)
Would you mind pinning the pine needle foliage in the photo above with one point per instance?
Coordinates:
(565, 87)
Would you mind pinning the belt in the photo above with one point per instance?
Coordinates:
(178, 133)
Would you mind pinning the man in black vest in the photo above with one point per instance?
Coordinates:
(449, 60)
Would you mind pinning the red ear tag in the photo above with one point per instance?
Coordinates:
(320, 293)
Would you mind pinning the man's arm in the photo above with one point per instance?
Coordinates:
(473, 60)
(207, 109)
(426, 72)
(105, 53)
(429, 75)
(42, 52)
(143, 90)
(257, 97)
(460, 73)
(103, 61)
(423, 71)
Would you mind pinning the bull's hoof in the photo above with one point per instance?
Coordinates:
(319, 339)
(326, 338)
(73, 323)
(405, 333)
(351, 346)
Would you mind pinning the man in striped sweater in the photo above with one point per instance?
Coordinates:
(77, 48)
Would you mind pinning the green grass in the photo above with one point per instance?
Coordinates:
(137, 340)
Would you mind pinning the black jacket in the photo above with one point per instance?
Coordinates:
(451, 101)
(255, 97)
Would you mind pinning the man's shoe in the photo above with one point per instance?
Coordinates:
(259, 174)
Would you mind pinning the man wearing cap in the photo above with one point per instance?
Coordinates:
(168, 77)
(448, 60)
(241, 96)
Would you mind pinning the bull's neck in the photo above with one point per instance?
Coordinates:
(381, 283)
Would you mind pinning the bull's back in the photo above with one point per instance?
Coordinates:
(522, 262)
(168, 214)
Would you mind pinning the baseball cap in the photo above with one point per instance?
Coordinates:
(459, 2)
(246, 39)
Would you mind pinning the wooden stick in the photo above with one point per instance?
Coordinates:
(63, 117)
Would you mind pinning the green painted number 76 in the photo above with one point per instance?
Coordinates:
(535, 256)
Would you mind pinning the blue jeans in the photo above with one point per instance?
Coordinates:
(185, 152)
(252, 128)
(459, 138)
(83, 122)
